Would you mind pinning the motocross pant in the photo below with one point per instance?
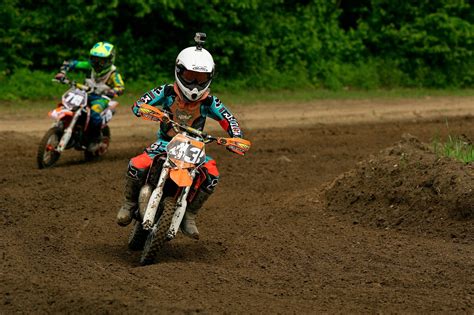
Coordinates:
(98, 105)
(203, 185)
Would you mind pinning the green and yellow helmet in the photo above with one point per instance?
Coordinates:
(102, 56)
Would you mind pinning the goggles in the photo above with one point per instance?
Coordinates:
(193, 77)
(98, 61)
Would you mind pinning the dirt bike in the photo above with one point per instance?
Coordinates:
(172, 180)
(70, 129)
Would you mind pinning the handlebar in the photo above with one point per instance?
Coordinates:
(73, 83)
(237, 145)
(80, 86)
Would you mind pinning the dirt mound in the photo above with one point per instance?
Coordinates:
(407, 187)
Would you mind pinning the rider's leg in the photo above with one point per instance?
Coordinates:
(204, 190)
(95, 123)
(136, 175)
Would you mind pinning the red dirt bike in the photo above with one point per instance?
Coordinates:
(170, 181)
(70, 129)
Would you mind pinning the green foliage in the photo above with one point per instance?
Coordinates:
(25, 86)
(455, 147)
(431, 41)
(28, 84)
(272, 44)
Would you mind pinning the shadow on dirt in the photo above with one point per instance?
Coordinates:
(181, 250)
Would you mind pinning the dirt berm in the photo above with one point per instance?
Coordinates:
(409, 188)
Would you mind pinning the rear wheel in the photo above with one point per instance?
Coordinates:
(103, 146)
(157, 238)
(47, 154)
(137, 237)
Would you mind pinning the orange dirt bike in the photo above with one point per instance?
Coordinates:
(170, 180)
(70, 129)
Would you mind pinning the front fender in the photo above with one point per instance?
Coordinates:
(181, 177)
(59, 113)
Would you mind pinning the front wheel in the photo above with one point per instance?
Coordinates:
(157, 237)
(47, 154)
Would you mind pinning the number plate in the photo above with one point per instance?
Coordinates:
(186, 150)
(74, 98)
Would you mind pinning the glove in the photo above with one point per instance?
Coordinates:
(235, 145)
(111, 93)
(137, 111)
(60, 76)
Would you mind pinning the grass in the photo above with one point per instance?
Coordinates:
(457, 147)
(306, 95)
(240, 97)
(33, 90)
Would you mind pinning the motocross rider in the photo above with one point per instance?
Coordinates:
(188, 102)
(105, 80)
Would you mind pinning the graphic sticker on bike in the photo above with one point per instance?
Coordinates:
(186, 151)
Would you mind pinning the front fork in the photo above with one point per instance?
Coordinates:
(155, 198)
(68, 132)
(179, 212)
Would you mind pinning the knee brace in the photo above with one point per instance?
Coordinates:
(210, 183)
(211, 176)
(135, 172)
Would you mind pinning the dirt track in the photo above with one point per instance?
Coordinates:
(268, 244)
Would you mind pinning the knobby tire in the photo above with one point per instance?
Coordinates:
(155, 241)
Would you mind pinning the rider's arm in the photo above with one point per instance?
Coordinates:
(155, 97)
(228, 122)
(116, 82)
(75, 64)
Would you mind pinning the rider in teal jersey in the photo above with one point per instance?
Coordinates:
(187, 101)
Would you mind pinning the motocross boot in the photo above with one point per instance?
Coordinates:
(130, 204)
(188, 225)
(93, 146)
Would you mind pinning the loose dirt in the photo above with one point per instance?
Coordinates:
(316, 218)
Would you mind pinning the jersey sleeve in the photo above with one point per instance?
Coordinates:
(117, 83)
(218, 111)
(154, 97)
(75, 64)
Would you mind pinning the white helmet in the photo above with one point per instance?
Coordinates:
(193, 72)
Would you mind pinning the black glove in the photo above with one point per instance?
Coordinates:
(111, 93)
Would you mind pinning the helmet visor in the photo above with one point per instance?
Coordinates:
(99, 63)
(190, 77)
